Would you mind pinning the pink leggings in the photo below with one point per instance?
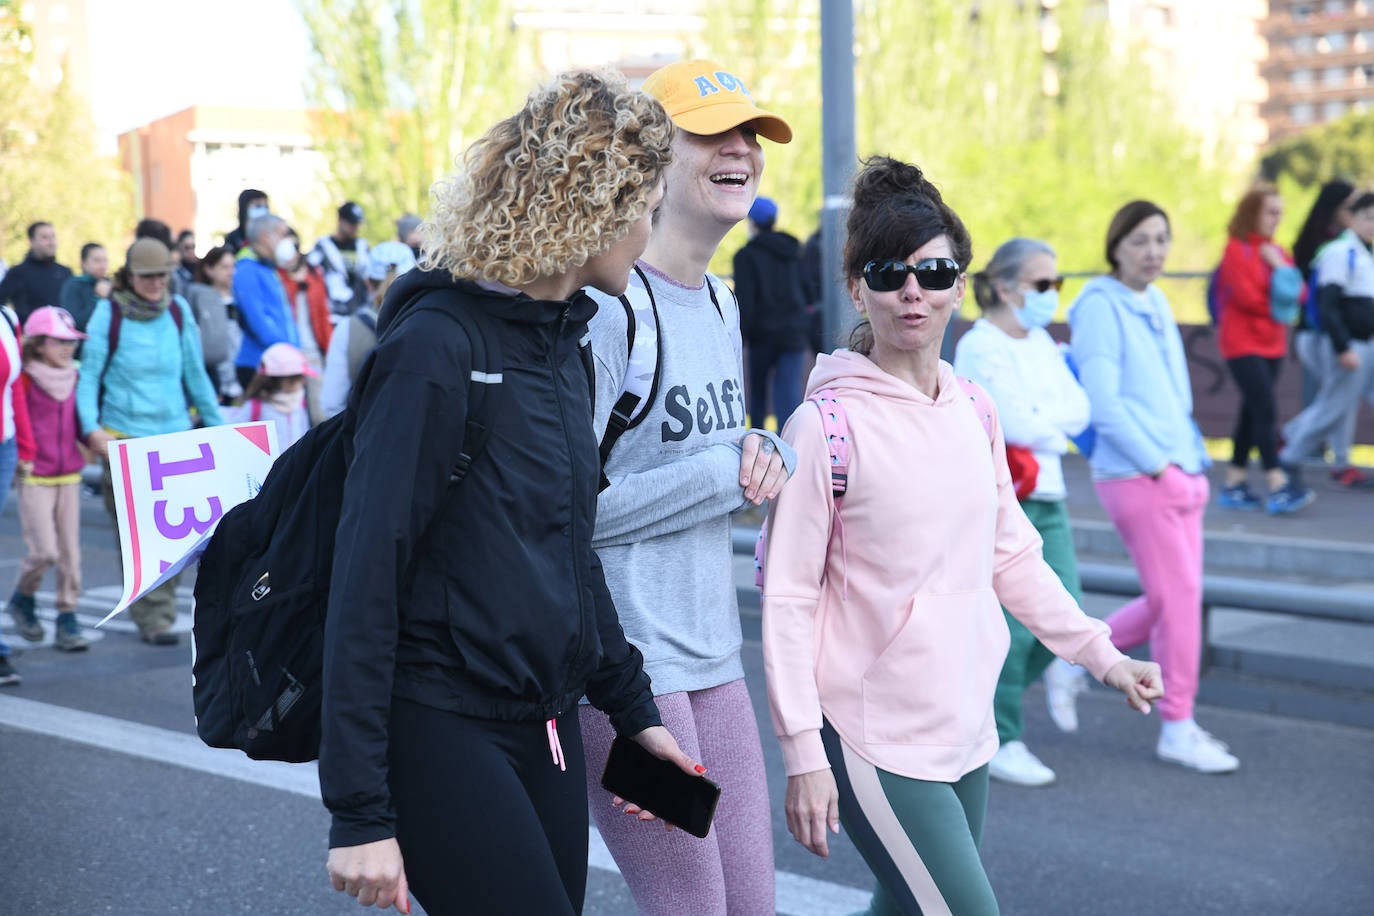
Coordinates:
(1160, 522)
(672, 873)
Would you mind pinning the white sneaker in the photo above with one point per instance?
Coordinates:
(1014, 763)
(1188, 745)
(1063, 684)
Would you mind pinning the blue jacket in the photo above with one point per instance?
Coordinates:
(265, 314)
(153, 374)
(1131, 363)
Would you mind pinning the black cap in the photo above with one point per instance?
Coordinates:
(351, 213)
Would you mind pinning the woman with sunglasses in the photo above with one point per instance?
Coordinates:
(882, 631)
(1149, 466)
(1039, 406)
(138, 383)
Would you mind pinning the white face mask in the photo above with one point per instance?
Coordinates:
(285, 253)
(255, 211)
(287, 401)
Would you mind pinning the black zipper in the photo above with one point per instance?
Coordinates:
(573, 491)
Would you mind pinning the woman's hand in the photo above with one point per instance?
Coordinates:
(762, 471)
(1272, 254)
(1140, 681)
(97, 441)
(23, 469)
(813, 805)
(1349, 360)
(660, 742)
(372, 872)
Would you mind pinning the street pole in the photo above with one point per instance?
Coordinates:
(838, 158)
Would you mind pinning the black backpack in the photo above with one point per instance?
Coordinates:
(262, 589)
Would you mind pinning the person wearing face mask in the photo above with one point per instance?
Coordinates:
(309, 299)
(137, 383)
(277, 394)
(252, 204)
(674, 478)
(264, 312)
(1040, 406)
(1149, 467)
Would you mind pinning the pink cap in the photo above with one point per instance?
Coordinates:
(51, 321)
(282, 359)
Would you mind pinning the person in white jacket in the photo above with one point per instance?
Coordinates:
(1040, 405)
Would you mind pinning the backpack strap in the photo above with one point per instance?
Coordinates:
(644, 352)
(255, 411)
(483, 389)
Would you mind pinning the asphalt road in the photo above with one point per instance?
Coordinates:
(108, 804)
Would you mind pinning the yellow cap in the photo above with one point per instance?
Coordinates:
(702, 97)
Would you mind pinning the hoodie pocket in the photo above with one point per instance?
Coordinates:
(934, 683)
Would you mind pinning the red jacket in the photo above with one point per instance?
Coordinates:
(1245, 326)
(318, 299)
(17, 404)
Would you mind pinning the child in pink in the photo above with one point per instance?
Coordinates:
(50, 494)
(277, 393)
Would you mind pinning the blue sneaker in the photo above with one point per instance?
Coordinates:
(1289, 499)
(1238, 497)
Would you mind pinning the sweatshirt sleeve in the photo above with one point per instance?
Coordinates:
(95, 352)
(1029, 588)
(799, 532)
(1097, 350)
(396, 481)
(193, 374)
(23, 429)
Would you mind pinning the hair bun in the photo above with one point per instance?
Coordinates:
(883, 177)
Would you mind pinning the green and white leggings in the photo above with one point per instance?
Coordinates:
(920, 838)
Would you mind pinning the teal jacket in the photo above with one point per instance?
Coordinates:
(1131, 363)
(154, 373)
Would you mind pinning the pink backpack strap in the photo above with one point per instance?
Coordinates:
(982, 404)
(255, 412)
(835, 426)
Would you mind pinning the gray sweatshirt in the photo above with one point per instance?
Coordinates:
(663, 525)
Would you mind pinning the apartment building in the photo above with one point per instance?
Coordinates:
(1320, 64)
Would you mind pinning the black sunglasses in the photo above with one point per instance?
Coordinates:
(931, 273)
(1041, 286)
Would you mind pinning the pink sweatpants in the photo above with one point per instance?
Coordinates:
(1160, 522)
(731, 871)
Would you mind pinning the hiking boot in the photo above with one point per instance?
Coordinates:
(68, 637)
(1188, 745)
(1239, 496)
(1063, 684)
(1290, 498)
(8, 676)
(1351, 478)
(1014, 763)
(24, 611)
(160, 637)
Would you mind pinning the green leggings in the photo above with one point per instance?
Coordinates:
(1026, 657)
(919, 838)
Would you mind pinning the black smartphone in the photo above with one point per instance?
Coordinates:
(660, 787)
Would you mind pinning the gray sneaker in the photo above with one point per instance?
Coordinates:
(68, 637)
(8, 676)
(24, 611)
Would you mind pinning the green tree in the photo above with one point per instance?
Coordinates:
(49, 165)
(401, 87)
(1343, 148)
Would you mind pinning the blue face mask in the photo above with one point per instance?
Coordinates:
(1038, 309)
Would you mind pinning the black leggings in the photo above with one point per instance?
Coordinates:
(1257, 425)
(486, 821)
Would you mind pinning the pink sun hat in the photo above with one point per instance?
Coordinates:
(51, 321)
(282, 359)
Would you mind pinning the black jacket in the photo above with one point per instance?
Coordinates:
(33, 283)
(484, 599)
(768, 285)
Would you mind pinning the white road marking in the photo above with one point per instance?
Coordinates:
(797, 895)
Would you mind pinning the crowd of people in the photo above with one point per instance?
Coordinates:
(487, 642)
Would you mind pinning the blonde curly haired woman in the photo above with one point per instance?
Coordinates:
(465, 622)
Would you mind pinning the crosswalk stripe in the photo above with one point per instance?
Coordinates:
(797, 895)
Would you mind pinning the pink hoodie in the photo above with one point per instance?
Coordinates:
(894, 632)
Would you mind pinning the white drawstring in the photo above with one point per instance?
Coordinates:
(555, 746)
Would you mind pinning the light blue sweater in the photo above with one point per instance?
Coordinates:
(1131, 363)
(153, 373)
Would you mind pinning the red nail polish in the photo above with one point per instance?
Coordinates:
(700, 769)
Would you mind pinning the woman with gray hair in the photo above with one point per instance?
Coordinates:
(1040, 404)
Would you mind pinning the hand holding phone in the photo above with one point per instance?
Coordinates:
(660, 787)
